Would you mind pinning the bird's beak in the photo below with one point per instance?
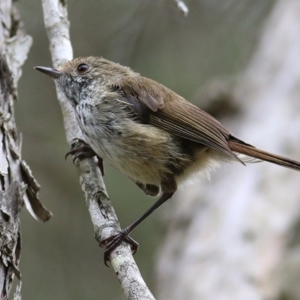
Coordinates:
(50, 71)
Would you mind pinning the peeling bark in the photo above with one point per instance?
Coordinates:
(17, 183)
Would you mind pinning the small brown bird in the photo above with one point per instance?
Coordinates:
(146, 131)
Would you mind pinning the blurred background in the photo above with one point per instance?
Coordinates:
(61, 259)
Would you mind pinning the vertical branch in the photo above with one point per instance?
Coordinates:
(101, 211)
(16, 181)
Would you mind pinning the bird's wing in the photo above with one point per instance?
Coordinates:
(161, 107)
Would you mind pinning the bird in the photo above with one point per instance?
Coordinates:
(146, 131)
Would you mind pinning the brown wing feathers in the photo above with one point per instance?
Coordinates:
(170, 112)
(157, 105)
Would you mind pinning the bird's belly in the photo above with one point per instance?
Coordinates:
(145, 155)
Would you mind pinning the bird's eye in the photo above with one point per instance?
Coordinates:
(82, 68)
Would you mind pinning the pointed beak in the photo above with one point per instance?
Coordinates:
(50, 71)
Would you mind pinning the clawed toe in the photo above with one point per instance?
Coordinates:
(83, 150)
(114, 241)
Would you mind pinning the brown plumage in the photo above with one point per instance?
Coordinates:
(172, 113)
(145, 130)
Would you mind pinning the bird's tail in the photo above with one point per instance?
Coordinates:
(239, 146)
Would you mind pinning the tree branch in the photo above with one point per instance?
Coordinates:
(17, 183)
(101, 211)
(182, 7)
(241, 232)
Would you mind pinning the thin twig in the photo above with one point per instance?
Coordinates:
(102, 213)
(182, 7)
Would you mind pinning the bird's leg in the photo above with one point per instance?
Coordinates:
(148, 189)
(80, 149)
(123, 236)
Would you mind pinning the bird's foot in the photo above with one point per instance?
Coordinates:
(114, 241)
(80, 150)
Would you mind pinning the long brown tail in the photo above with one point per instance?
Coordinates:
(239, 146)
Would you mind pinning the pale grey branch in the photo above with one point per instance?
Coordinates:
(182, 7)
(101, 211)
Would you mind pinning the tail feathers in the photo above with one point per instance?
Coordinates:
(246, 149)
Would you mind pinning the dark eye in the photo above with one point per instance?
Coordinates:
(82, 68)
